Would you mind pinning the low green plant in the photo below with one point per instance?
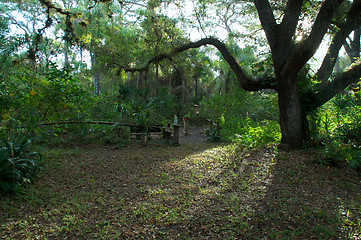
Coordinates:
(242, 117)
(331, 153)
(349, 132)
(125, 132)
(338, 154)
(335, 130)
(257, 134)
(7, 180)
(213, 134)
(353, 157)
(17, 165)
(111, 135)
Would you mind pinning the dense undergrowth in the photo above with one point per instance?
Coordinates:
(335, 130)
(251, 119)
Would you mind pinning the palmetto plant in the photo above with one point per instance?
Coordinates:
(17, 165)
(6, 172)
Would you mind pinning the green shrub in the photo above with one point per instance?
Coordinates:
(17, 165)
(335, 129)
(213, 134)
(353, 157)
(336, 154)
(349, 132)
(337, 120)
(258, 134)
(330, 154)
(243, 117)
(125, 132)
(7, 176)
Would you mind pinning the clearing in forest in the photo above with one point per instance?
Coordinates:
(193, 191)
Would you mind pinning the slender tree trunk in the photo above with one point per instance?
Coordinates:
(95, 69)
(81, 54)
(138, 79)
(196, 87)
(97, 83)
(183, 79)
(291, 114)
(96, 75)
(227, 81)
(66, 54)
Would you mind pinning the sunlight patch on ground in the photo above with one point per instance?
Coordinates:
(195, 191)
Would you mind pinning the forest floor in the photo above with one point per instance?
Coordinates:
(192, 191)
(195, 136)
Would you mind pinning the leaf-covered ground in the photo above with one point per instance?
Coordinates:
(194, 191)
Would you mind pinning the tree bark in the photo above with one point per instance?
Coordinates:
(290, 110)
(96, 74)
(324, 91)
(353, 49)
(96, 77)
(353, 21)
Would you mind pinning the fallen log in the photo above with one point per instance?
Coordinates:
(156, 126)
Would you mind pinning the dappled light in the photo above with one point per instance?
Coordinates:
(117, 122)
(194, 191)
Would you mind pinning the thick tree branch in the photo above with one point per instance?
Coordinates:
(322, 22)
(353, 22)
(49, 4)
(268, 22)
(353, 49)
(326, 91)
(355, 44)
(69, 31)
(245, 82)
(304, 50)
(290, 20)
(347, 47)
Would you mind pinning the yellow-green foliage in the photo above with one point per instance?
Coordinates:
(247, 117)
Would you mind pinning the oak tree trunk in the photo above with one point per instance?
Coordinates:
(291, 113)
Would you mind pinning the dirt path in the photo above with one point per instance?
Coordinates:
(195, 136)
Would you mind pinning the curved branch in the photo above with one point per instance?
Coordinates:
(68, 14)
(326, 91)
(245, 82)
(304, 50)
(353, 21)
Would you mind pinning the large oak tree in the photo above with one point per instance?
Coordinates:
(290, 57)
(281, 23)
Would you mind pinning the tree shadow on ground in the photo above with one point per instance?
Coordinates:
(305, 200)
(195, 191)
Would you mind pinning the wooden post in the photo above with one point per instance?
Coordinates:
(196, 111)
(176, 135)
(167, 132)
(186, 125)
